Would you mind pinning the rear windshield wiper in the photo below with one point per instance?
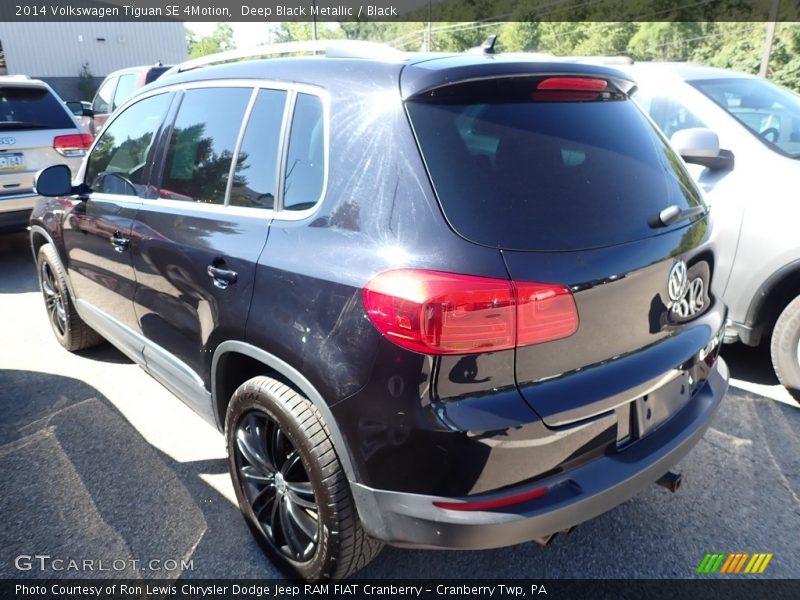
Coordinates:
(22, 125)
(675, 214)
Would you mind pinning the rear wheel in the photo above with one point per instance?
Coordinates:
(785, 348)
(69, 329)
(290, 484)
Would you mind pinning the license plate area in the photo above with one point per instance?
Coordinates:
(645, 414)
(12, 162)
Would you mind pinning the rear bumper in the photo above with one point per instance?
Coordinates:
(574, 497)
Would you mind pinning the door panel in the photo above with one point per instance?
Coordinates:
(97, 230)
(194, 254)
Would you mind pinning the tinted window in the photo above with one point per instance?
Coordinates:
(201, 145)
(769, 111)
(305, 169)
(255, 178)
(102, 100)
(117, 162)
(31, 108)
(669, 114)
(522, 169)
(125, 89)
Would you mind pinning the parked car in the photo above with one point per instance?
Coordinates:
(751, 185)
(444, 301)
(36, 130)
(117, 87)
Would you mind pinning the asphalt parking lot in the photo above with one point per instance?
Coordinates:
(99, 462)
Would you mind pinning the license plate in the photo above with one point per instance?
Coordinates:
(11, 162)
(654, 409)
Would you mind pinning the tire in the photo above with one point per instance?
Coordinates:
(69, 329)
(290, 484)
(785, 348)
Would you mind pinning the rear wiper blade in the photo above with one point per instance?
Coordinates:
(675, 214)
(22, 125)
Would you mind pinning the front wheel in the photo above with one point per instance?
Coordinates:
(785, 348)
(290, 484)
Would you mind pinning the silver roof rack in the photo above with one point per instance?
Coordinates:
(331, 48)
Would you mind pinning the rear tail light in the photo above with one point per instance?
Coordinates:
(75, 144)
(444, 313)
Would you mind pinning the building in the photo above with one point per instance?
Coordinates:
(57, 52)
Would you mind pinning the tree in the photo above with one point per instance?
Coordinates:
(219, 41)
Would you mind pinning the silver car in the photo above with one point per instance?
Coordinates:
(741, 135)
(36, 130)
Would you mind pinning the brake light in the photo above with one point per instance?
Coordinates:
(74, 144)
(582, 84)
(445, 313)
(495, 503)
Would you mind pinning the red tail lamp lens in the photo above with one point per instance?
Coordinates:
(495, 503)
(74, 144)
(445, 313)
(582, 84)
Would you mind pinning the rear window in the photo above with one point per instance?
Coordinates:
(32, 108)
(521, 169)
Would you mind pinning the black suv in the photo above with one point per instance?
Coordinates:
(443, 301)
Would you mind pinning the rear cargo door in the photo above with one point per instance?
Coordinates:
(567, 178)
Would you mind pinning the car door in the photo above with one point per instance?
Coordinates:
(197, 242)
(97, 229)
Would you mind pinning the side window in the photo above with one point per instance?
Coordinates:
(125, 89)
(305, 168)
(669, 114)
(255, 179)
(201, 145)
(117, 162)
(102, 99)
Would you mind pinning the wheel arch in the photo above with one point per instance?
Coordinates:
(772, 296)
(235, 362)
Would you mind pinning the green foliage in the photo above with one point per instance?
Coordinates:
(86, 84)
(219, 41)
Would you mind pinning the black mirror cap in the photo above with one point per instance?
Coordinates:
(724, 160)
(53, 181)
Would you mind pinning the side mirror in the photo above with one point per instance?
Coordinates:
(53, 181)
(80, 109)
(700, 146)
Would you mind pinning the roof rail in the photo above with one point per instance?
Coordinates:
(331, 48)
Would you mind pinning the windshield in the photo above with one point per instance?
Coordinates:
(769, 111)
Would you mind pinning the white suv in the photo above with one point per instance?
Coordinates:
(36, 130)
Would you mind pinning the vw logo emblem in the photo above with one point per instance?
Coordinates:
(677, 281)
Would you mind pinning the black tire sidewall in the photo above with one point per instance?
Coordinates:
(249, 398)
(44, 256)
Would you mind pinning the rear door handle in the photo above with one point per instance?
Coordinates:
(222, 277)
(119, 242)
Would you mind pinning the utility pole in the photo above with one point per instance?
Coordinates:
(314, 23)
(771, 24)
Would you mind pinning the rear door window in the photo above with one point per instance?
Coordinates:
(255, 180)
(201, 145)
(31, 108)
(305, 167)
(520, 169)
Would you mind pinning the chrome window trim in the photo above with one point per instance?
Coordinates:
(292, 90)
